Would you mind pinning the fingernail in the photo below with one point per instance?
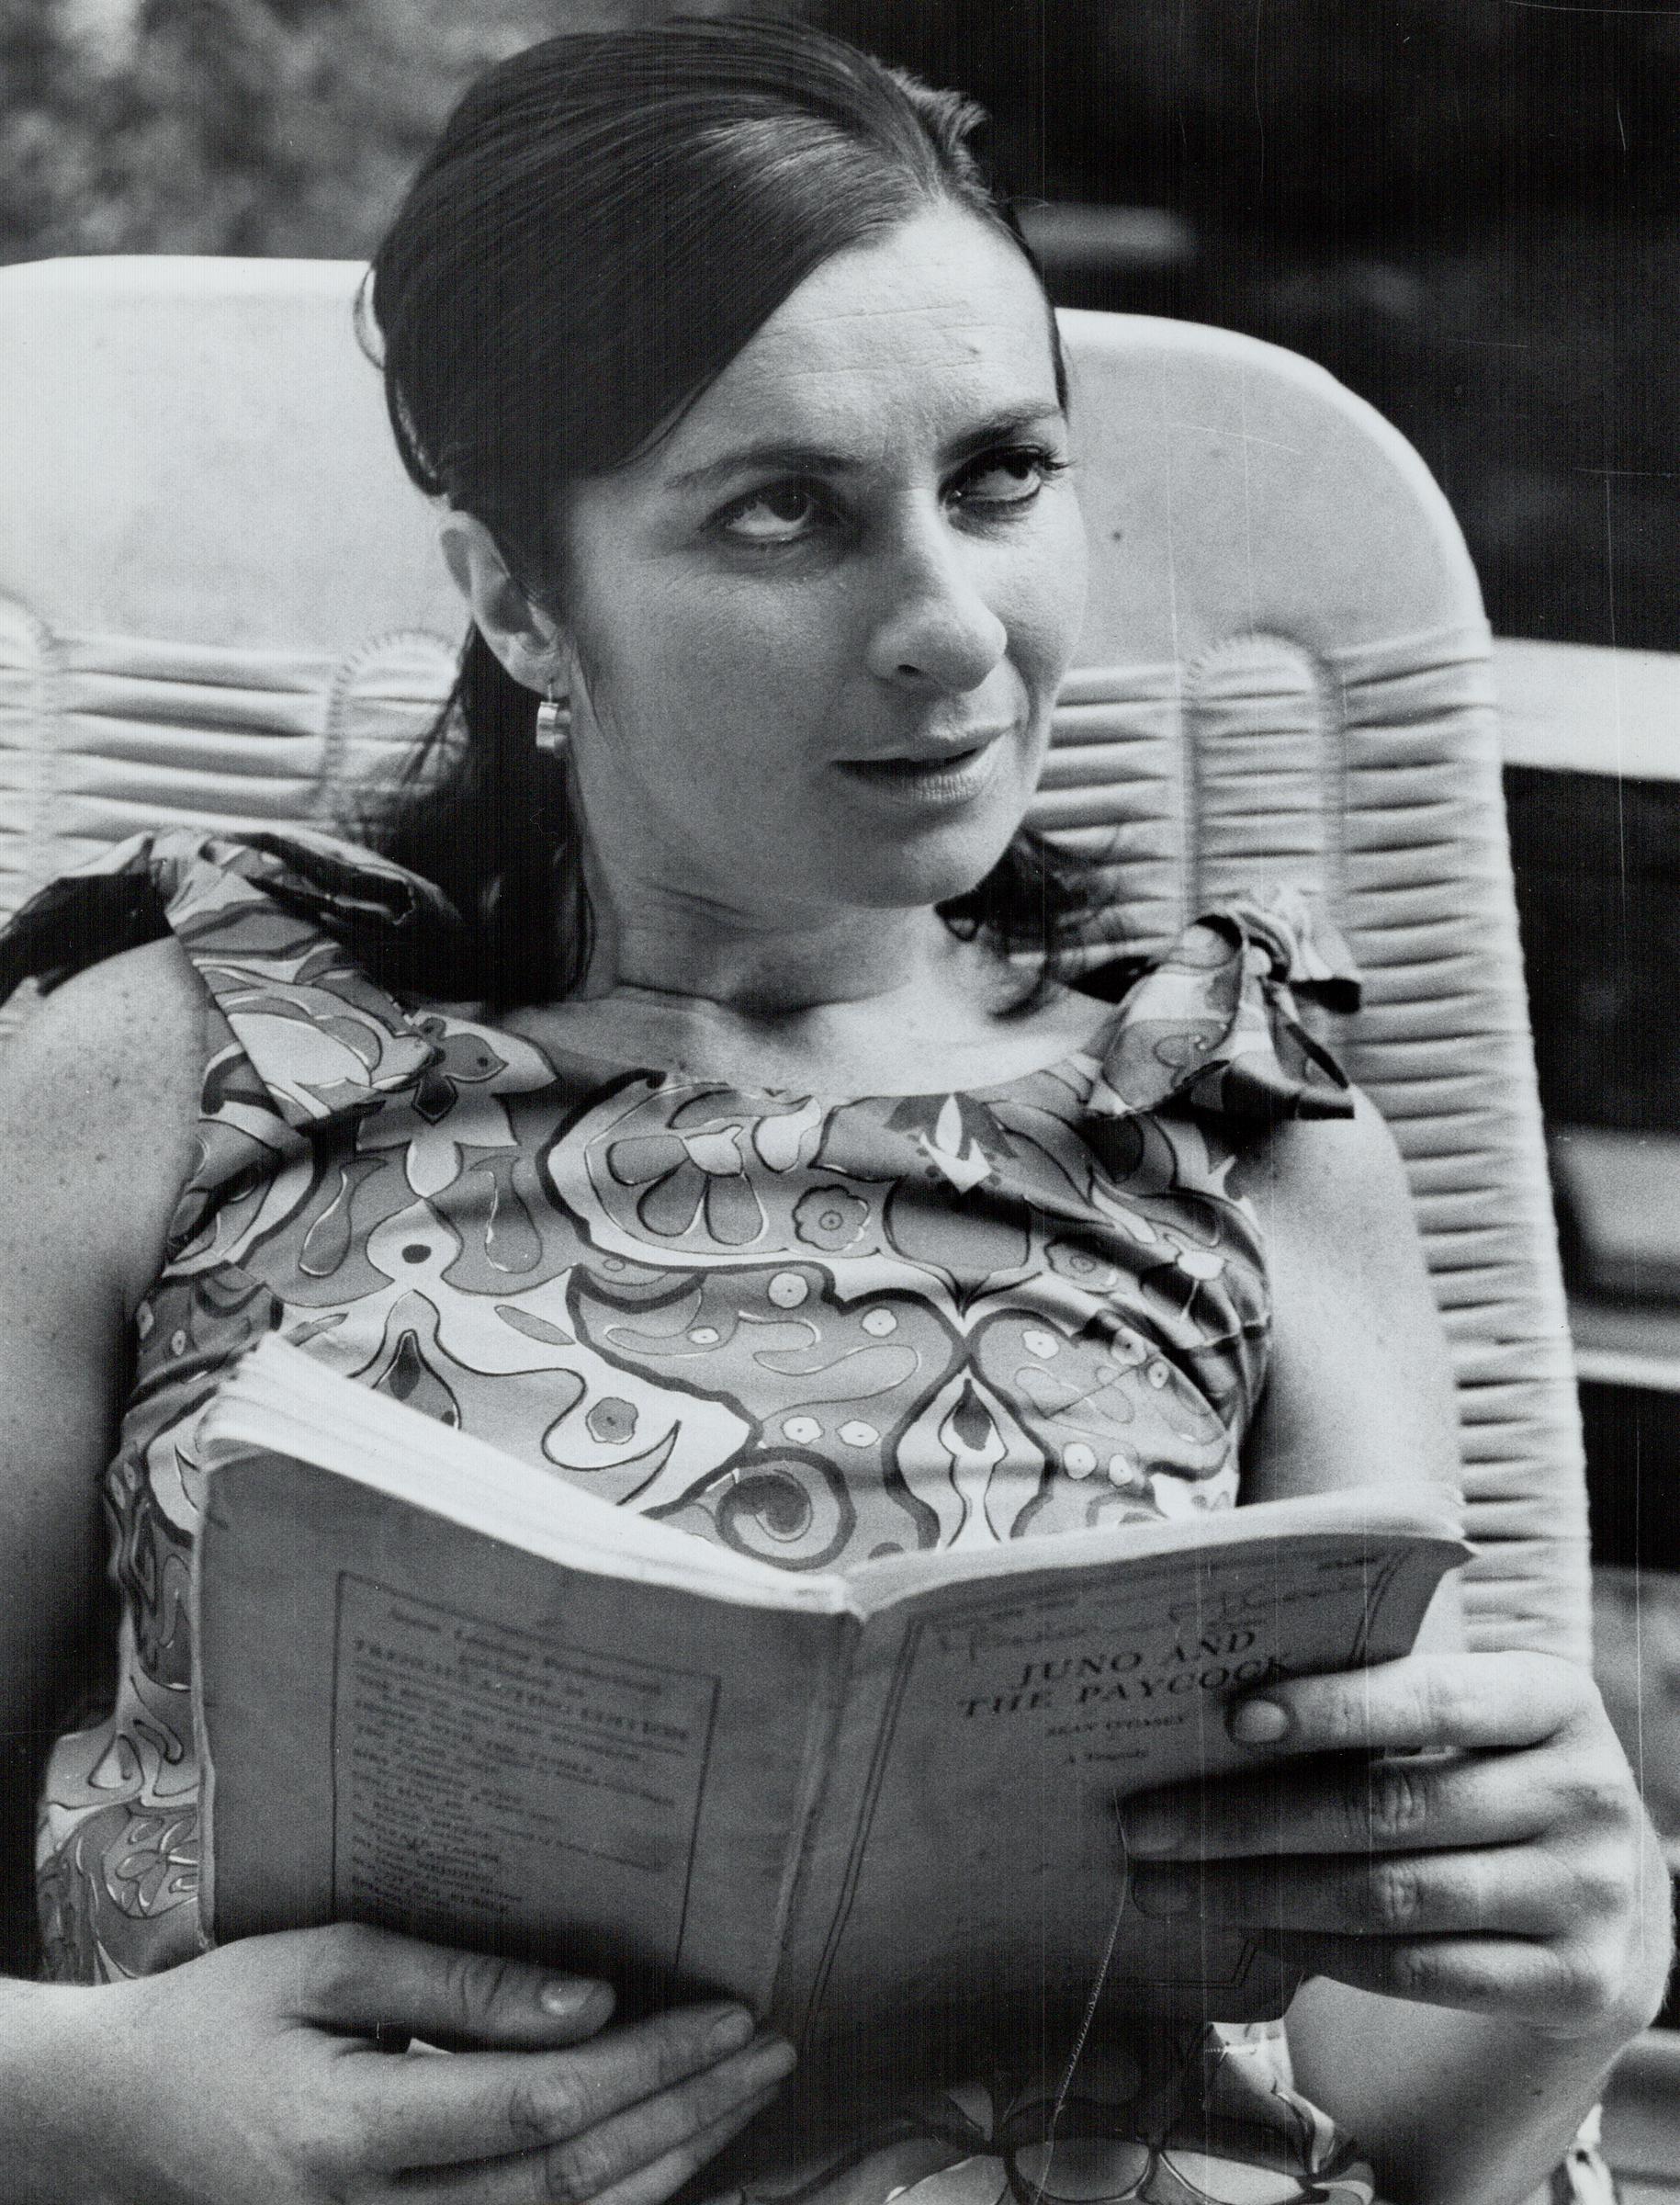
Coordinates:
(1259, 1722)
(771, 2059)
(567, 1997)
(731, 2030)
(1162, 1892)
(1147, 1831)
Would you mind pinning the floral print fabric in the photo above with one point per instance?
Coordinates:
(812, 1330)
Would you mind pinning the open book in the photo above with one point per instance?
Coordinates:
(452, 1693)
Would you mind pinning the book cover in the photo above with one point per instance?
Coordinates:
(452, 1694)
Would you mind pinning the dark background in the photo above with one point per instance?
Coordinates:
(1467, 210)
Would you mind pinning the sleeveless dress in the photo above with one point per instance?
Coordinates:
(811, 1330)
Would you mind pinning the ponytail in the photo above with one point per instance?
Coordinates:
(486, 815)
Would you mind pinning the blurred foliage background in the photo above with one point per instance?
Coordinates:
(1468, 210)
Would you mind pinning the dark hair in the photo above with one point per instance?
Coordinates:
(605, 222)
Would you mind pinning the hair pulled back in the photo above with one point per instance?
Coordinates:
(605, 222)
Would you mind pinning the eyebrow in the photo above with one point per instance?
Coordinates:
(781, 456)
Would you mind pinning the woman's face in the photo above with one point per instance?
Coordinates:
(819, 631)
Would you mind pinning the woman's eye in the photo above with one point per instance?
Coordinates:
(780, 514)
(1002, 480)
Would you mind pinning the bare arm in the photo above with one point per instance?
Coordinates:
(1488, 1931)
(1360, 1390)
(97, 1102)
(102, 2093)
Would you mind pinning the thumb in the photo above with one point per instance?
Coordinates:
(372, 1980)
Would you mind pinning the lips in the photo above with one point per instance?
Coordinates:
(910, 766)
(951, 774)
(938, 754)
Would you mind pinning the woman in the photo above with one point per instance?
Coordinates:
(748, 412)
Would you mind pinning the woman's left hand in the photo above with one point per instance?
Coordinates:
(1511, 1870)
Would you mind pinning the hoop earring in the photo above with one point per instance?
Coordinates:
(553, 723)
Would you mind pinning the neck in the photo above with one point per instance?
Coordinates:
(763, 968)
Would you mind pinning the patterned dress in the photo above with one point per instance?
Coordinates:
(812, 1330)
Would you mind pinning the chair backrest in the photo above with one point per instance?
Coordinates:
(220, 604)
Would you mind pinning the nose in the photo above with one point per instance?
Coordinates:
(935, 629)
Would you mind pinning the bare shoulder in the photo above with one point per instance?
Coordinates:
(98, 1105)
(125, 1038)
(1360, 1388)
(1341, 1176)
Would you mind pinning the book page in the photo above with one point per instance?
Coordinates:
(408, 1723)
(969, 1850)
(508, 1752)
(279, 1401)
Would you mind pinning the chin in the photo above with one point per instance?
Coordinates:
(910, 876)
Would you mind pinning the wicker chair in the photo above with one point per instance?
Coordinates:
(220, 604)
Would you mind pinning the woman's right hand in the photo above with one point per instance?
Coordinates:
(253, 2076)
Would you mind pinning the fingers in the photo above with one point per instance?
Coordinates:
(1460, 1830)
(1495, 1933)
(1476, 1974)
(1507, 1891)
(1351, 1804)
(1425, 1701)
(541, 2178)
(1478, 1783)
(367, 1979)
(599, 2111)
